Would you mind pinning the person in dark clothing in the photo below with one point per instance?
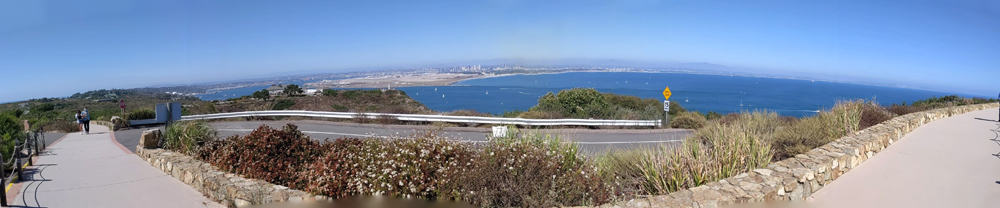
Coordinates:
(85, 120)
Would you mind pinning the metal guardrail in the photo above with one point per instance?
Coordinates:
(430, 118)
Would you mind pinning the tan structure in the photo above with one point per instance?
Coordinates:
(227, 188)
(150, 139)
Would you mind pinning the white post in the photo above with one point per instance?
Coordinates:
(666, 114)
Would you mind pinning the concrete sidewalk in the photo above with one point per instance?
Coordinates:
(947, 163)
(93, 171)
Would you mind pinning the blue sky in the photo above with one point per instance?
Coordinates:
(61, 47)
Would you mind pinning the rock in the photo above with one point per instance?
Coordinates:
(241, 203)
(762, 171)
(150, 139)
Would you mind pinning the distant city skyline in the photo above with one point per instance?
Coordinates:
(55, 49)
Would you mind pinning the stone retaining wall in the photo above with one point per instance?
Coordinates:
(798, 177)
(227, 188)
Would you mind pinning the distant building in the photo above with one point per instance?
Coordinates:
(276, 89)
(312, 92)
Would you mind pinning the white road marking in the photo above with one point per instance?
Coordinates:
(372, 135)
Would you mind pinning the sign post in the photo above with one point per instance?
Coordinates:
(666, 107)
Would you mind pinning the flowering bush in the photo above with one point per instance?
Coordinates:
(526, 171)
(522, 171)
(396, 167)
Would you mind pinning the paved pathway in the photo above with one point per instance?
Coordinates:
(93, 171)
(951, 162)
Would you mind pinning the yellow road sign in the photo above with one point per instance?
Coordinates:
(666, 93)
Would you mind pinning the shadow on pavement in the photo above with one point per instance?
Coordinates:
(30, 175)
(983, 119)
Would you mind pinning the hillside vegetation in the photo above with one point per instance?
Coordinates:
(588, 103)
(57, 113)
(353, 100)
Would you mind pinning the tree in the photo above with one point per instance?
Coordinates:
(262, 94)
(10, 130)
(293, 90)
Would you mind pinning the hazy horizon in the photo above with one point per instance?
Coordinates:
(945, 46)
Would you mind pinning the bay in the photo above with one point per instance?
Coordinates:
(698, 92)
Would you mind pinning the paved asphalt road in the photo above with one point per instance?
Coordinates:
(590, 140)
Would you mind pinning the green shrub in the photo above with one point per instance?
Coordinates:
(292, 90)
(540, 115)
(675, 108)
(688, 120)
(43, 107)
(329, 92)
(712, 115)
(141, 115)
(283, 104)
(589, 103)
(467, 113)
(511, 114)
(10, 130)
(261, 94)
(339, 108)
(188, 137)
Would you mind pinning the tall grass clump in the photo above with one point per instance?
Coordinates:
(187, 137)
(717, 151)
(812, 132)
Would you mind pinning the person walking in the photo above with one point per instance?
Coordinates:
(85, 118)
(79, 121)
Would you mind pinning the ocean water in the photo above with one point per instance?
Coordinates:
(703, 93)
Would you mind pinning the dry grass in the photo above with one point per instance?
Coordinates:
(812, 132)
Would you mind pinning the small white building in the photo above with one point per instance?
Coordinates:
(276, 89)
(312, 92)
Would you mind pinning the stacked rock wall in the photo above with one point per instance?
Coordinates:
(227, 188)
